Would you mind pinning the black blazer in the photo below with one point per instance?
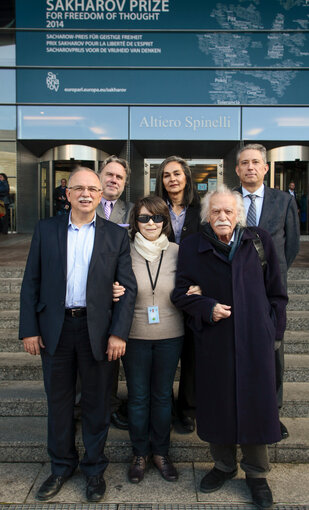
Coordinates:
(192, 223)
(42, 300)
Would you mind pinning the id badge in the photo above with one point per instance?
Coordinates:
(153, 314)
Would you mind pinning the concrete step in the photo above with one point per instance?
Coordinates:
(9, 301)
(21, 366)
(27, 398)
(9, 341)
(298, 302)
(296, 320)
(11, 272)
(296, 342)
(298, 287)
(23, 439)
(10, 285)
(297, 273)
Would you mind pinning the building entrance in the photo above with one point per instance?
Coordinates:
(291, 164)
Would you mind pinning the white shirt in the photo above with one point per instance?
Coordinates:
(259, 193)
(79, 251)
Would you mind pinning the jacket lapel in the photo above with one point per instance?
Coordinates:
(98, 243)
(63, 240)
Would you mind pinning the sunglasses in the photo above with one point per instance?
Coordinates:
(145, 218)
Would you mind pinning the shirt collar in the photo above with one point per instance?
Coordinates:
(259, 192)
(74, 227)
(104, 200)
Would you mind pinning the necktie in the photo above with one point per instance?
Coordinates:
(251, 216)
(108, 206)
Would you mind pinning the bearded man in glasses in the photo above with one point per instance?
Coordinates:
(67, 315)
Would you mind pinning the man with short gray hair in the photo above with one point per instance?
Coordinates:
(276, 212)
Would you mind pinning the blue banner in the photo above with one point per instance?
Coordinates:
(162, 14)
(151, 87)
(168, 50)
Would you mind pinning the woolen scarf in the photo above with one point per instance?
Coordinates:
(150, 250)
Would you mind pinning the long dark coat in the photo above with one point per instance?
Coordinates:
(235, 369)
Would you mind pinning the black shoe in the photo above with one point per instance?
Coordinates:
(119, 421)
(96, 488)
(51, 487)
(137, 469)
(260, 492)
(187, 423)
(215, 479)
(284, 431)
(166, 468)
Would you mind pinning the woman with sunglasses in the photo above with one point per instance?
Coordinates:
(155, 339)
(175, 185)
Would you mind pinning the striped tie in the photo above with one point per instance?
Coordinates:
(108, 209)
(251, 216)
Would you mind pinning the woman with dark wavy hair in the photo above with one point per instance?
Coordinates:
(175, 185)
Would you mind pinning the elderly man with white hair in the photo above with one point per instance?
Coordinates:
(237, 322)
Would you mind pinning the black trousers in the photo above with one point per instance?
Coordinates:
(73, 355)
(186, 394)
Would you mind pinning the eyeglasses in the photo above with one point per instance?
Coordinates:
(80, 189)
(145, 218)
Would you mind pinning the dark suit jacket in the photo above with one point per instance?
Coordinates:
(42, 303)
(120, 213)
(280, 218)
(191, 224)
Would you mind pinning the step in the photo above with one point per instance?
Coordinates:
(296, 320)
(9, 301)
(23, 439)
(9, 341)
(27, 398)
(298, 287)
(11, 272)
(297, 273)
(10, 285)
(21, 366)
(298, 302)
(296, 342)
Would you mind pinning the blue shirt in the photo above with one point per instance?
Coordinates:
(177, 222)
(79, 251)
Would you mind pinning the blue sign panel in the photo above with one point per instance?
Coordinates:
(178, 123)
(163, 49)
(75, 122)
(175, 87)
(7, 86)
(162, 14)
(275, 123)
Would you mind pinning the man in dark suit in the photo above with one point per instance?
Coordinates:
(274, 211)
(67, 315)
(114, 175)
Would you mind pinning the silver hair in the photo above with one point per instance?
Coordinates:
(80, 168)
(224, 190)
(254, 147)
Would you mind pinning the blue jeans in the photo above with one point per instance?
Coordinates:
(150, 367)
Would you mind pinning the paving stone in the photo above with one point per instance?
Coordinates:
(17, 480)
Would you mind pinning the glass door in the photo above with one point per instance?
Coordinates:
(45, 191)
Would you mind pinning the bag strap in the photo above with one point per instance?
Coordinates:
(258, 245)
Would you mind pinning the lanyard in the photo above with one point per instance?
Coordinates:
(153, 285)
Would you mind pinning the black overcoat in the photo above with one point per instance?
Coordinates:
(235, 369)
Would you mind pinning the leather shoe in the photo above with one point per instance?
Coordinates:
(284, 431)
(51, 487)
(166, 468)
(260, 492)
(96, 488)
(187, 423)
(119, 421)
(215, 478)
(137, 469)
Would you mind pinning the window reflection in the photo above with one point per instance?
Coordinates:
(7, 122)
(8, 167)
